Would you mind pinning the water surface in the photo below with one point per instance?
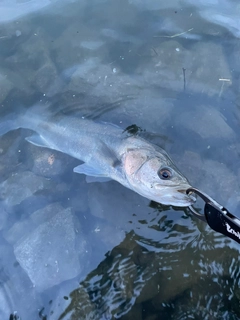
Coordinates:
(77, 250)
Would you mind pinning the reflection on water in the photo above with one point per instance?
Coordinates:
(172, 283)
(77, 250)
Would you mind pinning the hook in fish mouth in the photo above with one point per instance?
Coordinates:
(189, 194)
(184, 191)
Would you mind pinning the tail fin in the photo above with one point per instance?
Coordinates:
(8, 123)
(27, 118)
(22, 117)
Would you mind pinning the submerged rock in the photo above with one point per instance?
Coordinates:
(69, 299)
(3, 218)
(206, 121)
(46, 162)
(50, 247)
(213, 177)
(6, 86)
(9, 154)
(20, 186)
(15, 288)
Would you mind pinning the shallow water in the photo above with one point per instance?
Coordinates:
(77, 250)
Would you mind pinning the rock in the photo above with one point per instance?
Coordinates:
(169, 59)
(122, 209)
(31, 222)
(52, 251)
(127, 210)
(45, 76)
(107, 234)
(9, 154)
(15, 288)
(81, 39)
(200, 75)
(112, 287)
(9, 143)
(5, 85)
(3, 218)
(213, 177)
(36, 68)
(83, 76)
(65, 304)
(206, 121)
(226, 18)
(92, 45)
(46, 162)
(134, 314)
(13, 10)
(20, 186)
(5, 308)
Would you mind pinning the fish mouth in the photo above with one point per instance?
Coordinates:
(189, 195)
(177, 196)
(184, 191)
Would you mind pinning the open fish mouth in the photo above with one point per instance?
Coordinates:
(184, 191)
(177, 196)
(188, 195)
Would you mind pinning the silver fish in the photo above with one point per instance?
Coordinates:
(108, 152)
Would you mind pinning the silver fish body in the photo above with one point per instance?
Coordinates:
(108, 152)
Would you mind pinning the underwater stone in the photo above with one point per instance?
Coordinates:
(206, 121)
(46, 162)
(6, 86)
(15, 288)
(3, 218)
(20, 186)
(49, 254)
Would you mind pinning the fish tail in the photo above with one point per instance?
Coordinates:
(23, 118)
(8, 123)
(39, 109)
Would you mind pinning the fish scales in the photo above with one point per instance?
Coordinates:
(108, 152)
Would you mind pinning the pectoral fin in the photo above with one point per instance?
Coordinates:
(93, 173)
(37, 141)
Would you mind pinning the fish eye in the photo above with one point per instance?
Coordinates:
(165, 174)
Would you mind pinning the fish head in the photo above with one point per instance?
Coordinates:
(154, 176)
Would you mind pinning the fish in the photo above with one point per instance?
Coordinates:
(107, 151)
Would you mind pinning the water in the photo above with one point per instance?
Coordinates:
(73, 250)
